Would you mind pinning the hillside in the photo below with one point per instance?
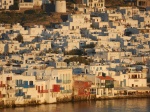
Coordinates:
(114, 3)
(38, 16)
(30, 17)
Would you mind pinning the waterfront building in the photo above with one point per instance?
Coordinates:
(104, 86)
(25, 88)
(81, 86)
(63, 78)
(115, 58)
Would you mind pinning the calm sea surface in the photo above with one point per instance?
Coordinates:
(121, 105)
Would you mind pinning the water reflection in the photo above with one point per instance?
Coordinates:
(120, 105)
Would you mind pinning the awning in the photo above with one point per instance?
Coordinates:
(124, 89)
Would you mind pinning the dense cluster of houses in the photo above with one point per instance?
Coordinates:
(33, 66)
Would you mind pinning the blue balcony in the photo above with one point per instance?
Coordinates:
(59, 81)
(25, 86)
(28, 86)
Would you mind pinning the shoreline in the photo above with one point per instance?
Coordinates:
(77, 100)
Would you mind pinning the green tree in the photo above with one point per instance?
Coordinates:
(79, 59)
(91, 45)
(75, 52)
(30, 12)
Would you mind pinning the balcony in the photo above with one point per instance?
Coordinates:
(66, 91)
(25, 86)
(28, 86)
(19, 85)
(66, 81)
(93, 92)
(42, 91)
(59, 81)
(19, 94)
(27, 97)
(53, 90)
(31, 86)
(26, 5)
(109, 86)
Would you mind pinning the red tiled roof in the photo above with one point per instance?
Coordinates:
(105, 78)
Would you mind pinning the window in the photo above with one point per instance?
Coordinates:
(100, 68)
(31, 83)
(102, 84)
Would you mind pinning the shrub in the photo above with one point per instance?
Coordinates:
(19, 38)
(29, 12)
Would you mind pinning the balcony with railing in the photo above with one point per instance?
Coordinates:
(19, 85)
(59, 81)
(31, 86)
(27, 97)
(25, 86)
(109, 86)
(42, 91)
(54, 90)
(66, 91)
(26, 5)
(66, 81)
(19, 94)
(28, 86)
(93, 92)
